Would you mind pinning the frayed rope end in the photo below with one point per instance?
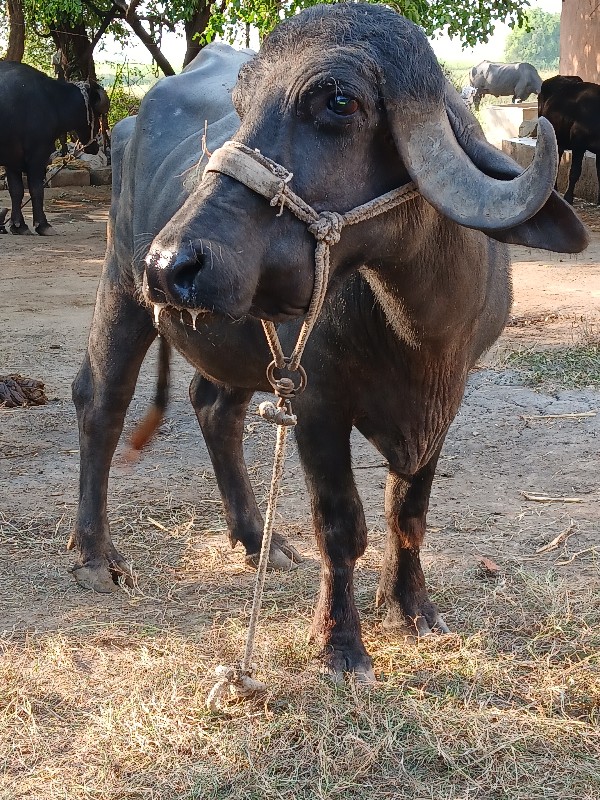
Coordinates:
(235, 683)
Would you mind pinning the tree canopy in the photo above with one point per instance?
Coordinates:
(538, 42)
(75, 27)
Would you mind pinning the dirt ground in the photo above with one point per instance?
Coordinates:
(496, 451)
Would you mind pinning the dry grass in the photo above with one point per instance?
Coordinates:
(104, 698)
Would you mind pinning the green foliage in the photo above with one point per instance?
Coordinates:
(125, 92)
(537, 42)
(230, 19)
(38, 49)
(470, 22)
(43, 15)
(38, 53)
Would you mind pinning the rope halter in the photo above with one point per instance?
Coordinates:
(271, 180)
(84, 87)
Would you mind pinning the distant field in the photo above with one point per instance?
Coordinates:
(133, 77)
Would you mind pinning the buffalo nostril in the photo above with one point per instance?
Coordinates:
(184, 271)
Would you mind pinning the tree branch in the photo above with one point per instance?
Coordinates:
(136, 26)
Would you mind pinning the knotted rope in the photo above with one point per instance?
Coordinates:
(271, 180)
(84, 87)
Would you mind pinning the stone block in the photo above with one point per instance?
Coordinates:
(70, 177)
(501, 122)
(101, 176)
(587, 186)
(528, 128)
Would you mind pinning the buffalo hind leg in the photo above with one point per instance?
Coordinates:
(577, 155)
(402, 583)
(221, 413)
(35, 180)
(16, 189)
(120, 336)
(341, 532)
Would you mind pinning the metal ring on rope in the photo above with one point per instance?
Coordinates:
(285, 387)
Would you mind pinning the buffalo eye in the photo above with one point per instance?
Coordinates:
(342, 106)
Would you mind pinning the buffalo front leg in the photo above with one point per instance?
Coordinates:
(402, 583)
(221, 413)
(340, 527)
(16, 190)
(120, 335)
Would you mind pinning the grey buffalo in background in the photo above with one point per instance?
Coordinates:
(35, 111)
(351, 100)
(517, 80)
(573, 107)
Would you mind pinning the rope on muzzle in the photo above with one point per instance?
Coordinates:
(271, 180)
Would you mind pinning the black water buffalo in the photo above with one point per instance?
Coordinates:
(517, 80)
(35, 111)
(351, 100)
(573, 107)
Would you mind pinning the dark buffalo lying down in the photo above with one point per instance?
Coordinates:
(35, 111)
(573, 108)
(351, 99)
(517, 80)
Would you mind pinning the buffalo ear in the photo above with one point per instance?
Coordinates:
(98, 100)
(554, 227)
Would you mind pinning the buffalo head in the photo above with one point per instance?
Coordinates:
(351, 99)
(97, 104)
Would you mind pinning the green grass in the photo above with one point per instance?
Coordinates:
(571, 367)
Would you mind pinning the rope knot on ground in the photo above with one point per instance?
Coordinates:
(235, 682)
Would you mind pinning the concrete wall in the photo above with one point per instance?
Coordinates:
(580, 39)
(501, 122)
(587, 186)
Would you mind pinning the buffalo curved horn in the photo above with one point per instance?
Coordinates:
(453, 185)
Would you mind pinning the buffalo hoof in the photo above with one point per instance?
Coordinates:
(419, 615)
(282, 556)
(339, 666)
(45, 229)
(19, 230)
(419, 624)
(103, 575)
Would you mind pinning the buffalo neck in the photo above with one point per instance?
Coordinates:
(72, 113)
(427, 289)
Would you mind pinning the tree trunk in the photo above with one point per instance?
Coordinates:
(16, 34)
(194, 28)
(73, 40)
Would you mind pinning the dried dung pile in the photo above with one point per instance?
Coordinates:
(15, 390)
